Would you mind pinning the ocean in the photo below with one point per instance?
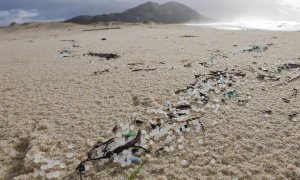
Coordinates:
(253, 25)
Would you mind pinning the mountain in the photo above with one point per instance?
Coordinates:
(170, 12)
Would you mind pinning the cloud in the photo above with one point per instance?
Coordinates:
(17, 15)
(290, 6)
(288, 9)
(219, 9)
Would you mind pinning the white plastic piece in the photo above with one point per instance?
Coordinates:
(36, 173)
(70, 155)
(55, 174)
(62, 165)
(184, 163)
(70, 146)
(180, 146)
(212, 161)
(200, 141)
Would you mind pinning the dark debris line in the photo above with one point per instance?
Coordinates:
(107, 56)
(137, 70)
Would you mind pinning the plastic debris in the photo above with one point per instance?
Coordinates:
(54, 174)
(129, 134)
(71, 146)
(200, 141)
(44, 167)
(70, 155)
(184, 163)
(37, 158)
(62, 165)
(38, 173)
(212, 161)
(135, 160)
(50, 165)
(230, 94)
(180, 146)
(42, 173)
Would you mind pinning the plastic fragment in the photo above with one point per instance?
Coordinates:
(70, 146)
(55, 163)
(200, 141)
(62, 165)
(69, 155)
(42, 173)
(135, 160)
(184, 163)
(37, 158)
(212, 161)
(129, 134)
(36, 173)
(230, 94)
(180, 146)
(56, 174)
(44, 167)
(50, 165)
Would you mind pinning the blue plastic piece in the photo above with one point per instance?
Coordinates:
(135, 160)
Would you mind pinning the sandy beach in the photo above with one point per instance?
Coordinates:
(57, 101)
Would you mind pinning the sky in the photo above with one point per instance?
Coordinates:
(228, 10)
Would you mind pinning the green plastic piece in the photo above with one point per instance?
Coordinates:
(129, 134)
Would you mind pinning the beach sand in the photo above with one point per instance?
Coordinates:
(59, 104)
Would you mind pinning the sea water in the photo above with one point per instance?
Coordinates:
(253, 25)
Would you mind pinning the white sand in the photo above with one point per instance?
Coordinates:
(48, 102)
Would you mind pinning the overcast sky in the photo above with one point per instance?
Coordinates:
(26, 10)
